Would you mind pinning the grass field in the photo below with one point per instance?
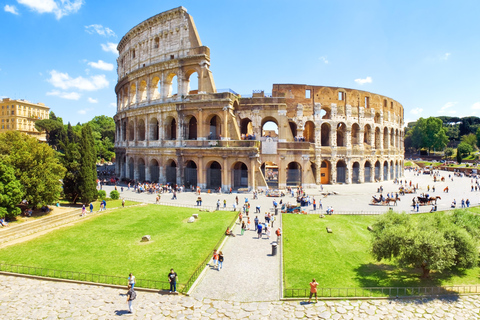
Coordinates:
(110, 244)
(342, 259)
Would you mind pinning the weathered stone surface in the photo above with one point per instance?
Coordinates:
(191, 220)
(329, 230)
(146, 238)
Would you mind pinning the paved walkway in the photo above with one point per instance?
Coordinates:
(250, 272)
(22, 298)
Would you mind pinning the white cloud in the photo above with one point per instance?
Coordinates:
(11, 9)
(110, 47)
(324, 59)
(83, 111)
(476, 106)
(59, 8)
(102, 65)
(64, 81)
(416, 111)
(446, 106)
(99, 29)
(65, 95)
(363, 81)
(113, 105)
(445, 56)
(91, 100)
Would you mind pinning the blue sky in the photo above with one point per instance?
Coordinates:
(424, 54)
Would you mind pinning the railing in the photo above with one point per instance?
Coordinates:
(183, 205)
(202, 265)
(84, 276)
(381, 291)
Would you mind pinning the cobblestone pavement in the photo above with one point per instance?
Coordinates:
(22, 298)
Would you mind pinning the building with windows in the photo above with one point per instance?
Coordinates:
(173, 125)
(20, 115)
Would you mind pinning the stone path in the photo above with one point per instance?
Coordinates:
(22, 298)
(250, 272)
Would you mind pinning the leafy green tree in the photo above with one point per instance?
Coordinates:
(428, 242)
(449, 152)
(459, 157)
(477, 134)
(88, 171)
(36, 167)
(54, 130)
(470, 139)
(103, 128)
(72, 162)
(102, 194)
(429, 134)
(11, 192)
(464, 149)
(114, 194)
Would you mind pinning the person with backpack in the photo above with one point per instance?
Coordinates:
(131, 295)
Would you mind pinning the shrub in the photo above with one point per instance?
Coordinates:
(114, 195)
(102, 194)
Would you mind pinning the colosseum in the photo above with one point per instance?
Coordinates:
(173, 126)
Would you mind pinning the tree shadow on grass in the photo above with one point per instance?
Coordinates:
(407, 280)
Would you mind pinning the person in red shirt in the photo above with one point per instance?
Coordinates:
(313, 290)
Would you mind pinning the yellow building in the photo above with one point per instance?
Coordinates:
(21, 115)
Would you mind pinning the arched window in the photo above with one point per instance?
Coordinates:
(325, 128)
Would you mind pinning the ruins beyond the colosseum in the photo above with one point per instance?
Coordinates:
(173, 126)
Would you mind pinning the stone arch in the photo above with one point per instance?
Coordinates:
(215, 127)
(356, 172)
(270, 122)
(378, 176)
(214, 175)
(367, 172)
(392, 137)
(385, 138)
(246, 128)
(155, 88)
(309, 132)
(367, 133)
(131, 168)
(378, 144)
(154, 171)
(131, 131)
(356, 134)
(391, 170)
(397, 170)
(325, 129)
(191, 88)
(124, 131)
(190, 174)
(294, 174)
(133, 94)
(341, 171)
(239, 175)
(397, 138)
(141, 130)
(385, 170)
(270, 172)
(141, 169)
(171, 85)
(154, 128)
(377, 117)
(326, 112)
(192, 129)
(142, 91)
(341, 134)
(171, 128)
(171, 172)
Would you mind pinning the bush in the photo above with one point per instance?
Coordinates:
(114, 195)
(102, 194)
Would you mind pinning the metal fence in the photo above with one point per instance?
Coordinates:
(84, 276)
(381, 292)
(184, 205)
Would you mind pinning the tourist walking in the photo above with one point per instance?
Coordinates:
(84, 212)
(249, 224)
(131, 280)
(256, 222)
(220, 260)
(313, 290)
(91, 207)
(123, 203)
(215, 258)
(259, 230)
(243, 227)
(131, 295)
(173, 278)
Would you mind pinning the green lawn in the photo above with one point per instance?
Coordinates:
(342, 259)
(110, 244)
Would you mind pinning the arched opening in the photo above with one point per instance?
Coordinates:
(124, 131)
(240, 175)
(171, 173)
(215, 128)
(355, 134)
(377, 118)
(392, 138)
(367, 172)
(190, 174)
(246, 129)
(270, 172)
(378, 176)
(133, 94)
(325, 172)
(131, 131)
(377, 138)
(313, 167)
(294, 174)
(131, 169)
(341, 171)
(356, 172)
(214, 175)
(154, 129)
(309, 132)
(385, 170)
(192, 82)
(293, 128)
(366, 134)
(397, 170)
(154, 171)
(123, 165)
(141, 130)
(325, 128)
(385, 138)
(171, 129)
(341, 131)
(397, 139)
(325, 113)
(142, 91)
(192, 129)
(391, 169)
(270, 128)
(155, 88)
(141, 170)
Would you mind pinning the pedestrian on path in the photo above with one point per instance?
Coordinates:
(131, 295)
(243, 227)
(131, 280)
(259, 230)
(84, 212)
(249, 224)
(215, 258)
(91, 207)
(256, 222)
(173, 278)
(123, 203)
(313, 290)
(220, 260)
(279, 234)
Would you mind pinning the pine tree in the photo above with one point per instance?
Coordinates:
(71, 161)
(88, 171)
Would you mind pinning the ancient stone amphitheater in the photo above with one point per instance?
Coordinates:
(173, 125)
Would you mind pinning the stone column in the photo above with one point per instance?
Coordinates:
(348, 171)
(135, 170)
(361, 172)
(148, 89)
(147, 170)
(251, 173)
(225, 123)
(225, 175)
(201, 176)
(179, 174)
(200, 125)
(136, 93)
(282, 173)
(161, 174)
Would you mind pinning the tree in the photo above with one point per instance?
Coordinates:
(36, 167)
(53, 128)
(470, 139)
(72, 162)
(448, 152)
(435, 242)
(11, 192)
(464, 149)
(103, 128)
(114, 195)
(88, 171)
(429, 134)
(459, 157)
(477, 134)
